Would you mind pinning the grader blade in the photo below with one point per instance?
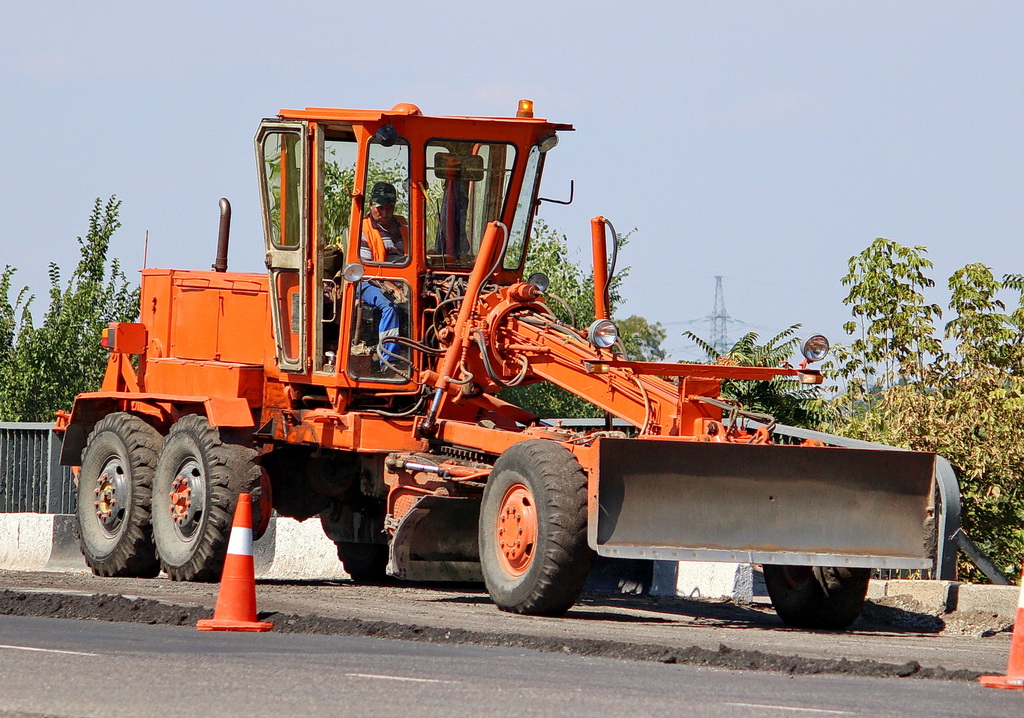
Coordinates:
(680, 500)
(437, 541)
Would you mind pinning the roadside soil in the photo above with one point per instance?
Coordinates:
(894, 637)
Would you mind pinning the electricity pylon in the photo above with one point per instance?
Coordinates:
(720, 319)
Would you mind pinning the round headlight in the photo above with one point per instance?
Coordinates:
(353, 272)
(603, 333)
(815, 348)
(540, 280)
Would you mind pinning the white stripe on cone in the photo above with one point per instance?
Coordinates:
(240, 541)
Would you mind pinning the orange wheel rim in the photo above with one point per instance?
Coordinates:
(516, 529)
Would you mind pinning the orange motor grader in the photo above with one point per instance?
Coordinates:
(358, 380)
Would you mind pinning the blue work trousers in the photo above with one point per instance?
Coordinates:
(371, 294)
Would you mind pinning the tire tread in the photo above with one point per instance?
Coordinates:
(135, 553)
(551, 587)
(222, 463)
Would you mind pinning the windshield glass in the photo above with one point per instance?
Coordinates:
(466, 187)
(520, 229)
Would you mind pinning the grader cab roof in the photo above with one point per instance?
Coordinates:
(406, 109)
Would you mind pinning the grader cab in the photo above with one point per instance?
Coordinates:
(359, 380)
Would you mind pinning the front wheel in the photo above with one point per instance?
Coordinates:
(533, 529)
(820, 597)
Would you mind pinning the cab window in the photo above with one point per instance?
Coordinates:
(466, 187)
(384, 227)
(282, 177)
(520, 230)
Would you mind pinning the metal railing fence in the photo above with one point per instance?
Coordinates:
(31, 477)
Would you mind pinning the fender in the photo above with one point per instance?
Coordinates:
(160, 410)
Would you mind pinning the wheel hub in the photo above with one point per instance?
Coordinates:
(112, 495)
(181, 499)
(188, 498)
(517, 529)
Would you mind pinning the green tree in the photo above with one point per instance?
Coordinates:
(15, 321)
(967, 404)
(571, 298)
(642, 339)
(338, 185)
(893, 323)
(337, 202)
(43, 368)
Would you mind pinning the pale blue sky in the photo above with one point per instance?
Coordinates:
(764, 142)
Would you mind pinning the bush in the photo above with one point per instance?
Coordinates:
(899, 385)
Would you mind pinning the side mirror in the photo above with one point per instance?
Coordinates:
(386, 135)
(468, 168)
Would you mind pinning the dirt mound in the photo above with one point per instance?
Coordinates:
(101, 607)
(906, 613)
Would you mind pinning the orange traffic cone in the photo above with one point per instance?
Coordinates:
(236, 602)
(1014, 678)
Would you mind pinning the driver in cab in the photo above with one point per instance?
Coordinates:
(385, 235)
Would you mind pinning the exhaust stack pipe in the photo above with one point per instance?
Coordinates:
(221, 264)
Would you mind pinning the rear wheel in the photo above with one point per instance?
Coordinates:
(114, 493)
(195, 488)
(533, 529)
(817, 596)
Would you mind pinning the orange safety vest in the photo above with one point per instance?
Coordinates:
(375, 241)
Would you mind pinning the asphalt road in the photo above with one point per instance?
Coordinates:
(599, 625)
(59, 667)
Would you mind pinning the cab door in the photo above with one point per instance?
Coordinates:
(282, 157)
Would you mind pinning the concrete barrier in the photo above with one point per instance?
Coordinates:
(743, 583)
(708, 579)
(27, 540)
(296, 550)
(49, 542)
(940, 596)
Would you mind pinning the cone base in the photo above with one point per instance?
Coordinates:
(1008, 682)
(220, 624)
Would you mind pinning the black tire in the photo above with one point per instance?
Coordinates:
(195, 489)
(114, 493)
(545, 575)
(821, 597)
(364, 562)
(248, 477)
